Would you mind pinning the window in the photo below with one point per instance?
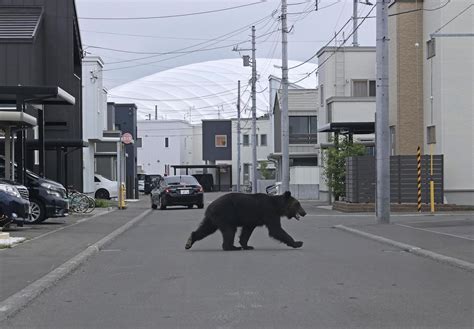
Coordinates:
(304, 162)
(321, 94)
(96, 179)
(221, 140)
(246, 141)
(303, 129)
(263, 140)
(363, 88)
(392, 140)
(167, 144)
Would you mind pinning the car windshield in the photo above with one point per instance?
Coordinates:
(181, 180)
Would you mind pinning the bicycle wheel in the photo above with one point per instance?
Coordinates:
(91, 205)
(81, 202)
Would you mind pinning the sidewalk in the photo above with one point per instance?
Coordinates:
(45, 250)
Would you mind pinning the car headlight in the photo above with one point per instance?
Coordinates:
(12, 190)
(54, 193)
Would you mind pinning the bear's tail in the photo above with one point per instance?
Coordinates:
(205, 228)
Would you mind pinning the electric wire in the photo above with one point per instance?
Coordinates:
(175, 15)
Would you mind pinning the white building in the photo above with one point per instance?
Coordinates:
(346, 93)
(166, 143)
(432, 83)
(94, 115)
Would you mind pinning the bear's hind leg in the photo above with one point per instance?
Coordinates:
(245, 236)
(228, 235)
(205, 228)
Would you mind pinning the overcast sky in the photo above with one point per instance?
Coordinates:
(311, 30)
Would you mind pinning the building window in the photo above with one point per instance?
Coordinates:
(167, 143)
(392, 140)
(221, 140)
(263, 140)
(304, 162)
(303, 129)
(246, 141)
(321, 94)
(363, 88)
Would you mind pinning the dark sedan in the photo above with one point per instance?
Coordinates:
(181, 190)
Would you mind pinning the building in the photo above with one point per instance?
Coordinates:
(346, 97)
(431, 84)
(303, 141)
(40, 43)
(94, 114)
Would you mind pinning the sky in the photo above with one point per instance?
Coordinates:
(132, 39)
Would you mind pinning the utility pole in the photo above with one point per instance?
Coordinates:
(382, 117)
(285, 138)
(253, 63)
(156, 112)
(254, 115)
(238, 137)
(355, 37)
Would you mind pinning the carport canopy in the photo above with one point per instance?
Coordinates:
(43, 95)
(355, 128)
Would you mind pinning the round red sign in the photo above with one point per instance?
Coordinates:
(127, 138)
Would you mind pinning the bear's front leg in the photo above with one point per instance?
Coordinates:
(245, 236)
(277, 232)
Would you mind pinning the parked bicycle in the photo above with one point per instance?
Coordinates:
(80, 202)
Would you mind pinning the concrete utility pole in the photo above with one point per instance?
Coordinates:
(355, 37)
(238, 137)
(254, 115)
(285, 138)
(382, 117)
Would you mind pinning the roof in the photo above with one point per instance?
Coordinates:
(19, 23)
(206, 90)
(301, 100)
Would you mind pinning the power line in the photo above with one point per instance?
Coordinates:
(173, 16)
(421, 9)
(455, 17)
(337, 49)
(327, 44)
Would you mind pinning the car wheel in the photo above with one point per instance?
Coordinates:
(200, 205)
(37, 212)
(161, 203)
(102, 194)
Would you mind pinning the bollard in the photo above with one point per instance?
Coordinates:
(122, 194)
(418, 158)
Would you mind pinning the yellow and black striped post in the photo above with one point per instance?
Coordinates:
(418, 159)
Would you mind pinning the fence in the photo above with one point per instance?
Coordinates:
(361, 177)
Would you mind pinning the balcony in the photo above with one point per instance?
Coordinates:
(303, 138)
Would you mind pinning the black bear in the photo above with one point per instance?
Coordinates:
(248, 211)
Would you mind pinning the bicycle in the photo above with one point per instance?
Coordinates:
(80, 202)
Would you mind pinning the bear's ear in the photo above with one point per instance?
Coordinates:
(287, 194)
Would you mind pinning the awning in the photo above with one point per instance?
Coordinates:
(57, 144)
(356, 128)
(19, 23)
(45, 95)
(15, 119)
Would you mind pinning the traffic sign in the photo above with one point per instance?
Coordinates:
(127, 138)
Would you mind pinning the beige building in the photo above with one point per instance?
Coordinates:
(431, 87)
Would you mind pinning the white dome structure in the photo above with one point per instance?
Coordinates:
(206, 90)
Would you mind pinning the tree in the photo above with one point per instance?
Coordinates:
(264, 171)
(335, 164)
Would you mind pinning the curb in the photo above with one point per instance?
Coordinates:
(19, 300)
(467, 266)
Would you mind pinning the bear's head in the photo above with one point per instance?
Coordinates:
(292, 207)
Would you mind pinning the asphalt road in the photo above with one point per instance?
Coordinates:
(146, 279)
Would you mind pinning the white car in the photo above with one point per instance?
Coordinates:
(105, 188)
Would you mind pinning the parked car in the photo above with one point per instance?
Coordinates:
(105, 188)
(14, 203)
(149, 178)
(141, 182)
(181, 190)
(47, 197)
